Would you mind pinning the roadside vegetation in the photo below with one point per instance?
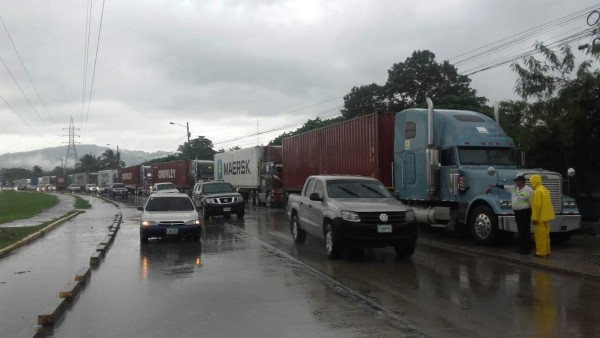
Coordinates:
(80, 203)
(18, 205)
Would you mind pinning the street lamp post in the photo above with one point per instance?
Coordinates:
(187, 127)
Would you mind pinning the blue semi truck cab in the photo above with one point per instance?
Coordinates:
(445, 159)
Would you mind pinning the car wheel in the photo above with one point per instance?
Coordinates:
(143, 238)
(241, 214)
(206, 215)
(405, 249)
(484, 225)
(298, 234)
(333, 243)
(196, 238)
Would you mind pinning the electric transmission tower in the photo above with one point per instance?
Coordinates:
(71, 151)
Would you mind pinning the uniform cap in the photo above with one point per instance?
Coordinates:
(520, 177)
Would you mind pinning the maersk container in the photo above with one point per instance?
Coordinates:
(176, 172)
(361, 146)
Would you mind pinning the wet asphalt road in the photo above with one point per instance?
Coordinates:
(247, 278)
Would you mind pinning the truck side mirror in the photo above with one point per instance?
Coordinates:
(315, 197)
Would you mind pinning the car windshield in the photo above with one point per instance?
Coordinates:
(169, 204)
(486, 156)
(118, 185)
(217, 187)
(165, 186)
(356, 189)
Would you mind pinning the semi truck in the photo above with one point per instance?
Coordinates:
(136, 178)
(439, 162)
(105, 179)
(256, 172)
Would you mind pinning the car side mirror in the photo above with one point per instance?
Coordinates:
(315, 197)
(140, 208)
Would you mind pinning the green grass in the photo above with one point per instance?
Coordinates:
(80, 203)
(9, 236)
(19, 205)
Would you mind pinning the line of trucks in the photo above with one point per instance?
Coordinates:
(438, 162)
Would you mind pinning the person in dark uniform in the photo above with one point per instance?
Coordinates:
(521, 205)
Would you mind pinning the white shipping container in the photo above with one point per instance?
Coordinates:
(239, 167)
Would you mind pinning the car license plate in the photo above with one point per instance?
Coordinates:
(226, 209)
(384, 228)
(172, 231)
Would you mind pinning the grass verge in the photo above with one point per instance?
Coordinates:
(80, 203)
(9, 236)
(19, 205)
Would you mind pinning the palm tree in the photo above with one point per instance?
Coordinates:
(88, 163)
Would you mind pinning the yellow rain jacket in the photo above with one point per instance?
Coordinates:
(541, 205)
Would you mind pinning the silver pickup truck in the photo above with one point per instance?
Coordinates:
(351, 211)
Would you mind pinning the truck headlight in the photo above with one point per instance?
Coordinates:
(569, 204)
(350, 216)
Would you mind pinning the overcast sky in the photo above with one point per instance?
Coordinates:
(230, 68)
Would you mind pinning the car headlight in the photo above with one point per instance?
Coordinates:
(505, 204)
(409, 216)
(210, 200)
(193, 222)
(350, 216)
(147, 223)
(569, 204)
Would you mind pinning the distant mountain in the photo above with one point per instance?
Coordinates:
(48, 158)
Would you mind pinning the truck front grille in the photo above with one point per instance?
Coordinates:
(552, 182)
(373, 217)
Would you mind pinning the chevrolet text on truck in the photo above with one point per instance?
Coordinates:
(439, 162)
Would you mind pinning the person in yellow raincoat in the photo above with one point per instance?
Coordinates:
(542, 213)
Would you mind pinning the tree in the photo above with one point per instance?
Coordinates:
(563, 124)
(88, 163)
(199, 148)
(364, 100)
(37, 170)
(110, 160)
(308, 126)
(411, 82)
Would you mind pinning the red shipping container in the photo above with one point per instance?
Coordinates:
(176, 172)
(130, 176)
(361, 146)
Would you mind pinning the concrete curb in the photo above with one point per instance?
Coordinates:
(39, 233)
(56, 310)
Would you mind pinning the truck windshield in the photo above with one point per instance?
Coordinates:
(356, 189)
(486, 156)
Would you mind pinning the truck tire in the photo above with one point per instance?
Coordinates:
(298, 234)
(484, 225)
(333, 242)
(405, 249)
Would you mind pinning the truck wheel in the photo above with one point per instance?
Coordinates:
(333, 243)
(484, 225)
(298, 234)
(405, 249)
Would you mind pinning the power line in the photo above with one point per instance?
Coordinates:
(21, 118)
(25, 68)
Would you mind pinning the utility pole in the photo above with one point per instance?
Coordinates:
(71, 151)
